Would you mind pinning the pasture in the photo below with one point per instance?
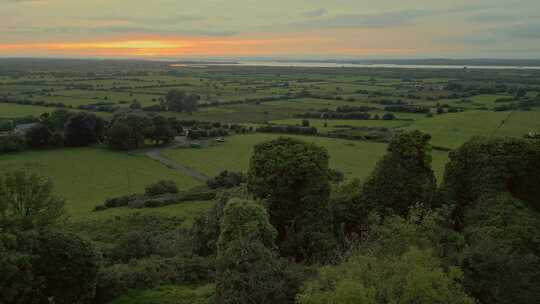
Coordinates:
(254, 96)
(86, 177)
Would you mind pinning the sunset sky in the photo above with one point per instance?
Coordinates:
(178, 29)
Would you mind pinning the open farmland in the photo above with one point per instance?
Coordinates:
(451, 105)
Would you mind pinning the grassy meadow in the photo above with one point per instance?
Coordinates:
(86, 177)
(253, 96)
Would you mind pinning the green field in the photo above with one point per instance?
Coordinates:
(169, 295)
(85, 177)
(8, 110)
(355, 159)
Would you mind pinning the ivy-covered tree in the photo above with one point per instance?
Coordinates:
(248, 270)
(502, 259)
(292, 177)
(403, 177)
(487, 166)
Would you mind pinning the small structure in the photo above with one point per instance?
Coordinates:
(220, 139)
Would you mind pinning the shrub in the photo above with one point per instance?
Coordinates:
(226, 179)
(287, 129)
(66, 260)
(161, 187)
(502, 260)
(118, 279)
(12, 143)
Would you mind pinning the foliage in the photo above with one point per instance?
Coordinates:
(502, 260)
(170, 294)
(292, 177)
(118, 137)
(38, 136)
(485, 166)
(226, 179)
(180, 101)
(400, 263)
(27, 201)
(248, 269)
(83, 129)
(129, 131)
(66, 260)
(38, 265)
(403, 177)
(19, 284)
(161, 187)
(287, 129)
(150, 272)
(163, 132)
(245, 220)
(415, 276)
(206, 227)
(12, 143)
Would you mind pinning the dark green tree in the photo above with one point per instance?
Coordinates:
(180, 101)
(57, 119)
(83, 129)
(502, 259)
(118, 137)
(69, 266)
(248, 269)
(403, 177)
(163, 132)
(130, 131)
(292, 177)
(486, 166)
(27, 201)
(39, 136)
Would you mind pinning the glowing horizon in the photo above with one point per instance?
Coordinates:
(316, 28)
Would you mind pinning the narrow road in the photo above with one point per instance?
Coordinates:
(156, 155)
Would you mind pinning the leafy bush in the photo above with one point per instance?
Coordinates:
(12, 143)
(147, 273)
(226, 179)
(287, 129)
(502, 260)
(161, 187)
(400, 262)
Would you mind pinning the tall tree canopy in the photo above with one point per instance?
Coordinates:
(485, 166)
(83, 129)
(180, 101)
(292, 176)
(403, 177)
(28, 201)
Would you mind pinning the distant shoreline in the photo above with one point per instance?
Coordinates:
(358, 64)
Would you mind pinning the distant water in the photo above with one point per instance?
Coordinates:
(352, 65)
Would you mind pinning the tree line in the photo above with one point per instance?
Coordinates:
(294, 233)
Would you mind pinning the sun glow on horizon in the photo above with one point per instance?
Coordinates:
(156, 46)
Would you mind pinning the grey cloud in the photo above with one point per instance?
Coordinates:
(315, 13)
(525, 31)
(366, 20)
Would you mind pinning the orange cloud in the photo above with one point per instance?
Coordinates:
(256, 44)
